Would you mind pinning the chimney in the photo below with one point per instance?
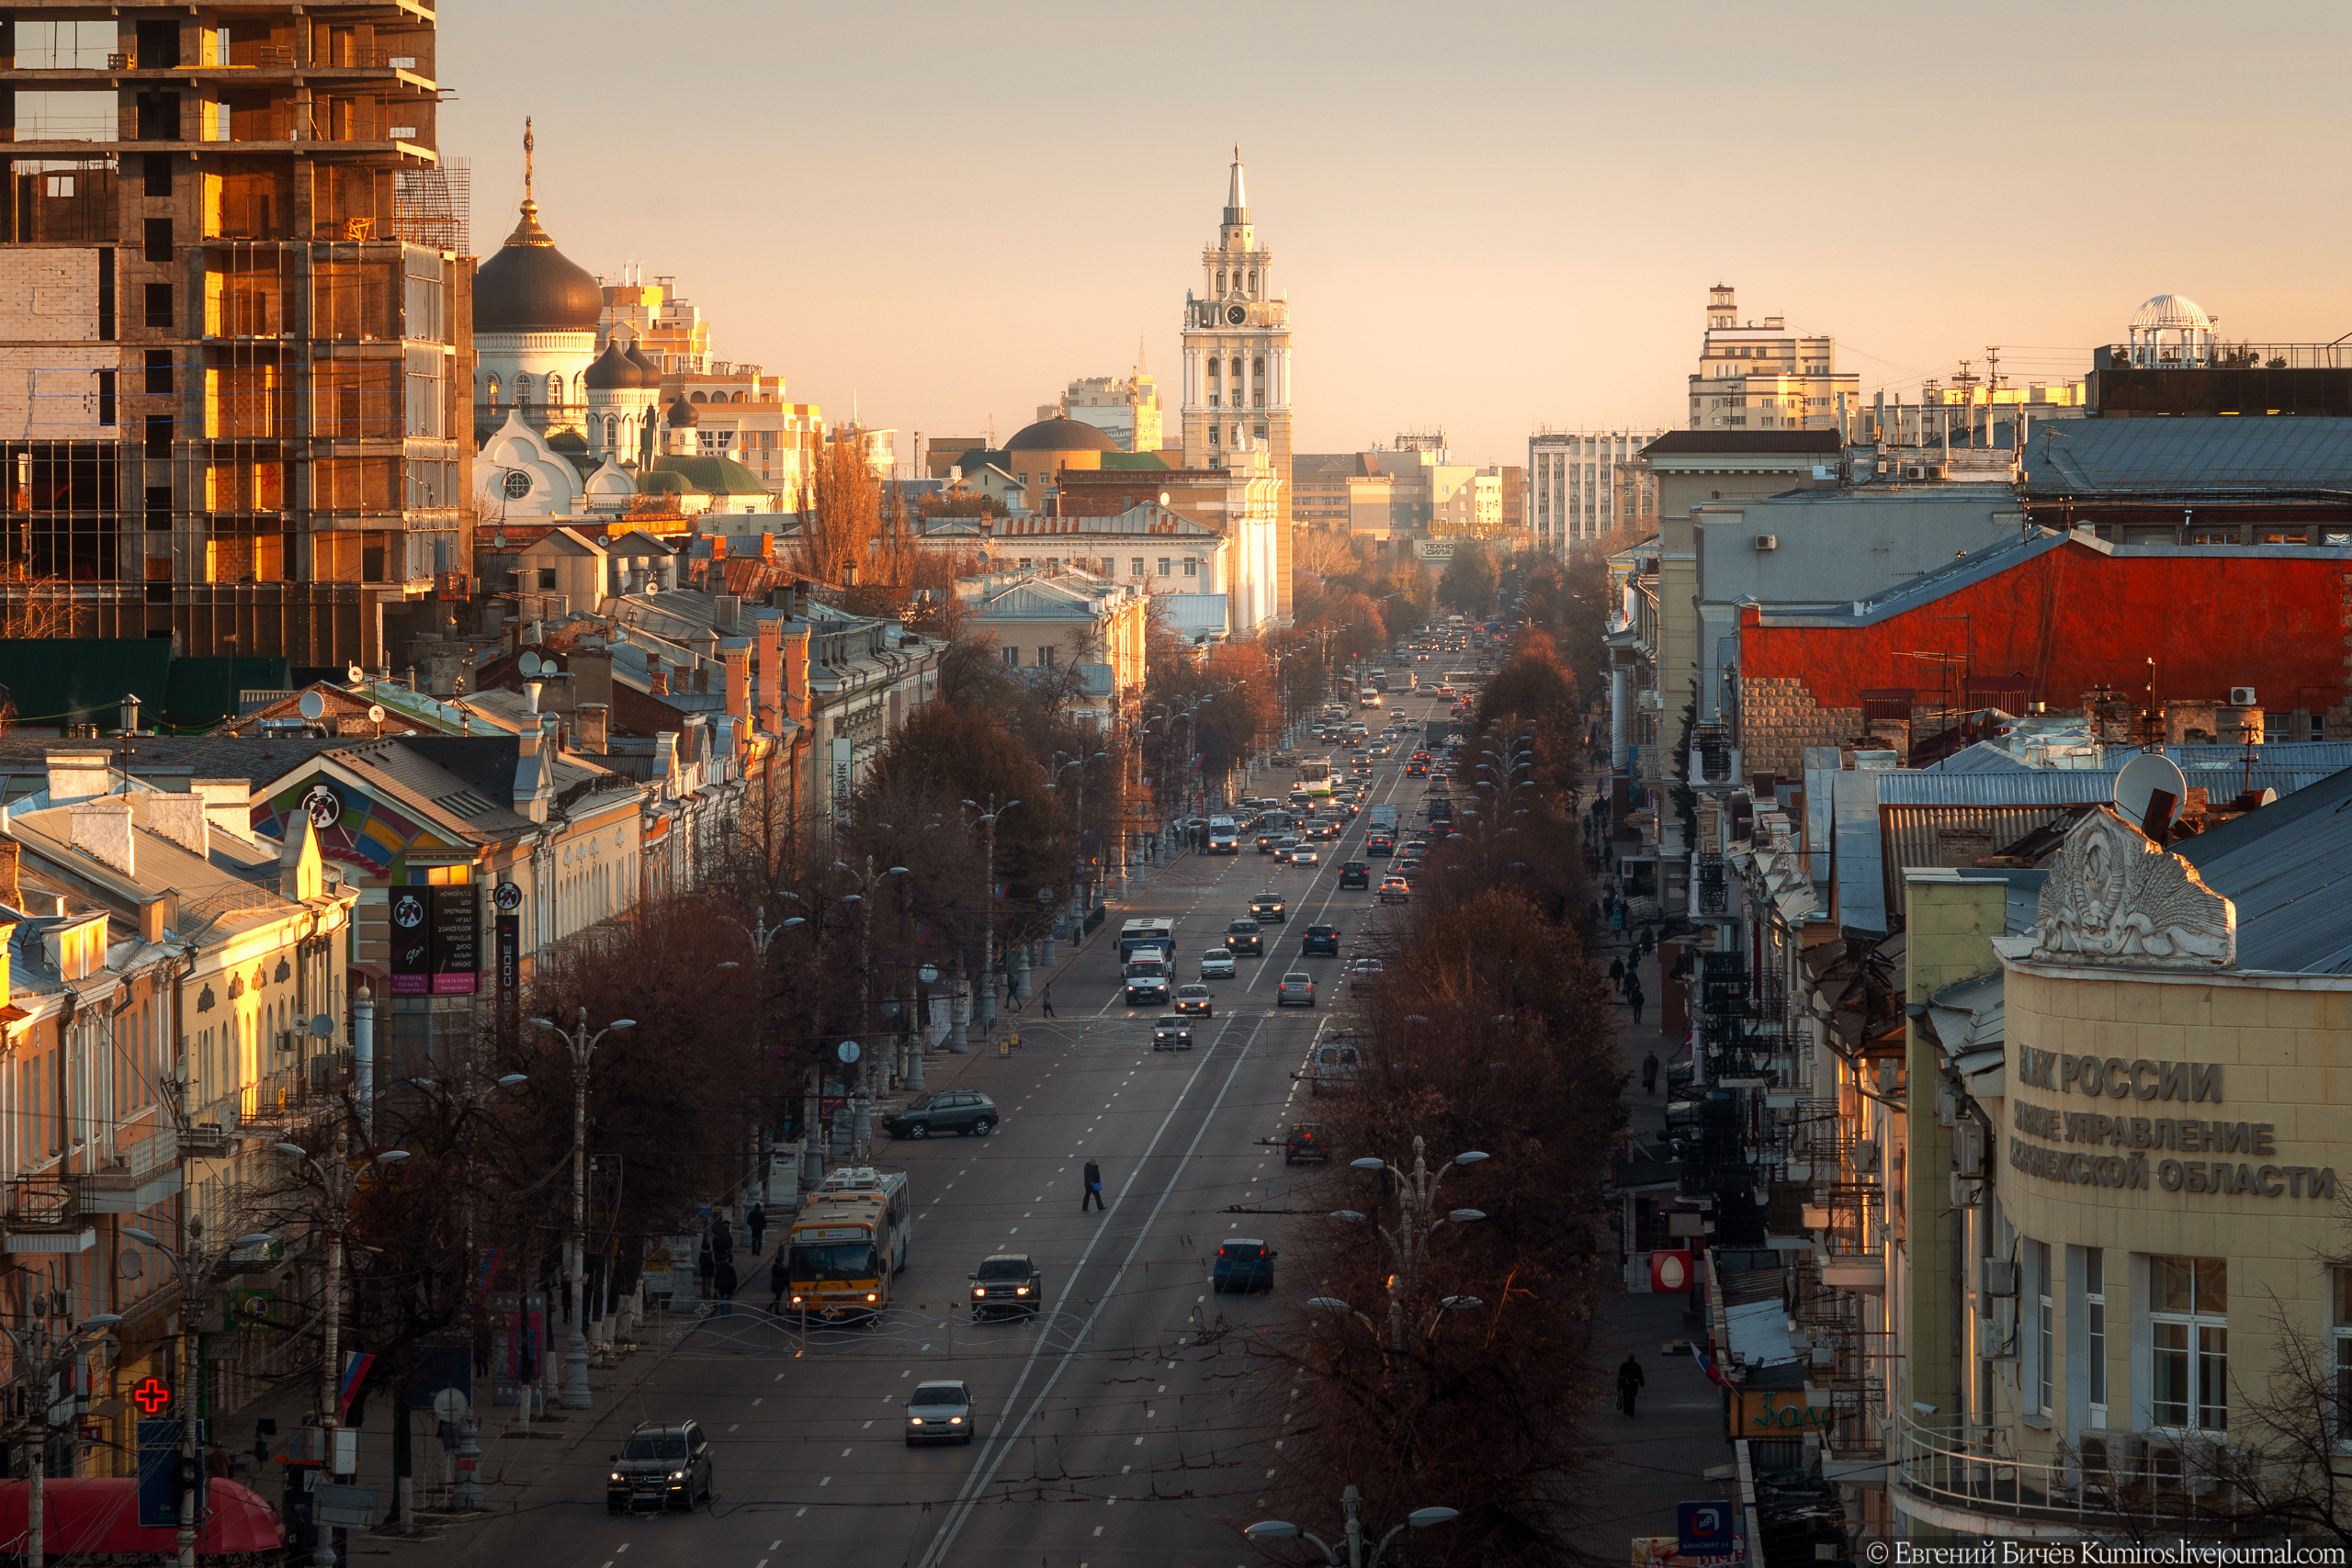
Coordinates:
(101, 830)
(727, 610)
(78, 775)
(697, 741)
(11, 894)
(301, 873)
(180, 818)
(560, 693)
(658, 679)
(448, 672)
(665, 752)
(531, 767)
(795, 644)
(768, 676)
(591, 671)
(595, 728)
(228, 805)
(739, 681)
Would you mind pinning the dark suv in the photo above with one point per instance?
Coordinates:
(1306, 1142)
(1267, 907)
(1008, 1281)
(1355, 874)
(661, 1467)
(949, 1110)
(1319, 939)
(1244, 936)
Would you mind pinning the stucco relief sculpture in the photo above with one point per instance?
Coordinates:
(2114, 897)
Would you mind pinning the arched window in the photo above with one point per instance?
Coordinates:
(1236, 373)
(1220, 281)
(1217, 368)
(611, 432)
(555, 391)
(698, 398)
(494, 391)
(1253, 280)
(736, 398)
(522, 390)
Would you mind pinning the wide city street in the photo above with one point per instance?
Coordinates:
(1108, 1431)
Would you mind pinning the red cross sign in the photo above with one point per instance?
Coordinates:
(150, 1396)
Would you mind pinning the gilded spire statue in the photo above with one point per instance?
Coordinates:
(527, 232)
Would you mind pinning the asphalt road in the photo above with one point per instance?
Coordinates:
(1107, 1432)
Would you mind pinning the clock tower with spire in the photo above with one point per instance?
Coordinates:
(1237, 357)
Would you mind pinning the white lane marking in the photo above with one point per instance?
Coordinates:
(993, 1456)
(869, 1424)
(755, 1402)
(845, 1451)
(731, 1426)
(829, 1480)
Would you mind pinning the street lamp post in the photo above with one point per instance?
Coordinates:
(582, 1046)
(337, 1180)
(44, 1352)
(195, 1268)
(1352, 1501)
(761, 935)
(984, 987)
(1408, 1245)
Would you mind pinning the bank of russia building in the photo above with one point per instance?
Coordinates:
(2129, 1154)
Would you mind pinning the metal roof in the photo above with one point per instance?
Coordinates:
(2080, 457)
(2288, 867)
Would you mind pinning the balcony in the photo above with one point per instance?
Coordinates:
(43, 1216)
(120, 1189)
(298, 1093)
(2113, 1485)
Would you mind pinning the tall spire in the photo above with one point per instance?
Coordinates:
(1237, 201)
(527, 232)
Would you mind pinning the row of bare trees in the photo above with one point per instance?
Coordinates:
(1489, 1031)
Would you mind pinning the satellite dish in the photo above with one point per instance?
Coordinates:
(322, 1026)
(2143, 780)
(376, 713)
(313, 707)
(353, 673)
(451, 1406)
(530, 665)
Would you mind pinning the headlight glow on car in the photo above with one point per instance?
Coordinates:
(617, 1475)
(980, 1290)
(677, 1475)
(955, 1420)
(871, 1296)
(914, 1420)
(796, 1301)
(1021, 1290)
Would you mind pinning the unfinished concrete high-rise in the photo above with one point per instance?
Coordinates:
(236, 325)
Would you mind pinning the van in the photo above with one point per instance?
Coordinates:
(1159, 934)
(1381, 819)
(1224, 836)
(1334, 1064)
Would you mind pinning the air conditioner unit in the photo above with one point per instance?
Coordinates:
(290, 1039)
(2000, 1276)
(1768, 541)
(1866, 1153)
(2109, 1463)
(1915, 470)
(2241, 697)
(2167, 1465)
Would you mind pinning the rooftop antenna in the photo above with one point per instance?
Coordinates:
(2148, 791)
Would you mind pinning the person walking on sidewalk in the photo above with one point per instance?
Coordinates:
(778, 1281)
(1649, 1072)
(756, 1222)
(1634, 997)
(1617, 975)
(1093, 1187)
(724, 1282)
(1046, 998)
(1629, 1384)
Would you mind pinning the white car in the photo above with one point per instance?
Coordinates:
(1306, 854)
(1217, 964)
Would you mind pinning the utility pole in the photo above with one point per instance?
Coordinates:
(42, 1353)
(582, 1046)
(1407, 1247)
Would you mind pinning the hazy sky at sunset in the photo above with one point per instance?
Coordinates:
(1488, 215)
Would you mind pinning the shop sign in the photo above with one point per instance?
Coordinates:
(1767, 1413)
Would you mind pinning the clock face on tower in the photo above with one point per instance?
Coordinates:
(1236, 315)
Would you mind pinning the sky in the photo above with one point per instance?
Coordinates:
(1491, 218)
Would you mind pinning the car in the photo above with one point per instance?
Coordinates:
(1267, 840)
(1379, 845)
(948, 1111)
(1394, 889)
(1194, 999)
(1244, 936)
(1006, 1281)
(1243, 1263)
(1306, 855)
(940, 1412)
(1354, 874)
(1267, 907)
(1286, 848)
(1416, 847)
(1409, 864)
(660, 1465)
(1297, 990)
(1171, 1037)
(1306, 1142)
(1322, 830)
(1319, 939)
(1216, 964)
(1365, 970)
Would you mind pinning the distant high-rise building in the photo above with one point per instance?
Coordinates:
(1760, 376)
(1237, 359)
(1124, 408)
(1582, 485)
(236, 328)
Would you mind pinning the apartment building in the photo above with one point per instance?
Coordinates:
(1760, 375)
(1582, 485)
(235, 302)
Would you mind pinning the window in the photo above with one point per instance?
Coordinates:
(517, 486)
(2188, 1299)
(64, 46)
(159, 306)
(546, 579)
(2340, 1331)
(2045, 1323)
(1134, 566)
(1045, 658)
(1012, 659)
(1191, 566)
(2095, 1331)
(1164, 564)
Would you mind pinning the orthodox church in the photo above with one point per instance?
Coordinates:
(568, 403)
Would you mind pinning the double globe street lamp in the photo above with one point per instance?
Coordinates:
(1352, 1501)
